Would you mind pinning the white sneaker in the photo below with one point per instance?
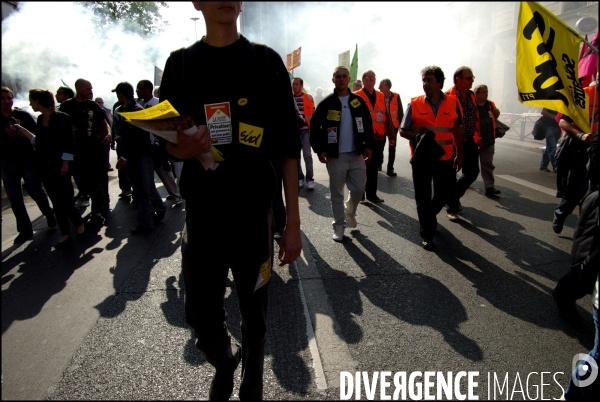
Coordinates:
(338, 233)
(453, 216)
(300, 183)
(350, 219)
(311, 185)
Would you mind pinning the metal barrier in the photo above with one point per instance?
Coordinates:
(511, 120)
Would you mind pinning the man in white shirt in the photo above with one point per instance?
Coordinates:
(341, 134)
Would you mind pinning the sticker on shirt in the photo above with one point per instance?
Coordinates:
(332, 135)
(355, 103)
(334, 115)
(251, 135)
(264, 273)
(379, 117)
(359, 124)
(490, 113)
(218, 120)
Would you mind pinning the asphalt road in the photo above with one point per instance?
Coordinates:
(105, 320)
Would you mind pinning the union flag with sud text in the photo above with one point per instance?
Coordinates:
(547, 58)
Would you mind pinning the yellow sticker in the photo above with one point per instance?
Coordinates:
(242, 101)
(263, 275)
(334, 115)
(355, 103)
(251, 135)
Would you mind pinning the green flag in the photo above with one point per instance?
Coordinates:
(65, 84)
(354, 66)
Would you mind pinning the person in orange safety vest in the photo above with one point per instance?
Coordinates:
(306, 107)
(394, 107)
(433, 127)
(376, 103)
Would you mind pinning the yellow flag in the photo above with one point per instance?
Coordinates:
(547, 58)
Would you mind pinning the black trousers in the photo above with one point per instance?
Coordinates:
(95, 175)
(470, 167)
(124, 183)
(61, 193)
(372, 168)
(208, 251)
(443, 176)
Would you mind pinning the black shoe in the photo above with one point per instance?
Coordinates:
(221, 386)
(170, 198)
(375, 199)
(51, 220)
(557, 224)
(391, 173)
(23, 237)
(97, 219)
(428, 245)
(362, 199)
(568, 311)
(379, 169)
(492, 191)
(158, 216)
(64, 244)
(545, 170)
(140, 230)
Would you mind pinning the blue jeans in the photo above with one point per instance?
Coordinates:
(12, 173)
(552, 136)
(140, 171)
(307, 153)
(592, 391)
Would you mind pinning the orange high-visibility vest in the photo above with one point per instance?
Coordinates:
(394, 110)
(590, 93)
(442, 124)
(309, 108)
(477, 136)
(377, 113)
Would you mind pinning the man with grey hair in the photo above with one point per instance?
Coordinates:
(463, 81)
(341, 134)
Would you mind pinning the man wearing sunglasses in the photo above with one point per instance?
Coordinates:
(463, 81)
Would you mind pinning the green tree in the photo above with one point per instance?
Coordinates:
(142, 17)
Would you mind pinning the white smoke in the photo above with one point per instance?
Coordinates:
(45, 43)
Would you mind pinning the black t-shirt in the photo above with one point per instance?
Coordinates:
(17, 149)
(52, 142)
(242, 93)
(88, 118)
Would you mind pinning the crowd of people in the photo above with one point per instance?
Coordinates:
(448, 132)
(71, 141)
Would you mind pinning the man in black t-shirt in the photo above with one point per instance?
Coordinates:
(136, 158)
(229, 187)
(17, 164)
(91, 137)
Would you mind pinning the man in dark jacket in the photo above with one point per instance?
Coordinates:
(341, 134)
(136, 157)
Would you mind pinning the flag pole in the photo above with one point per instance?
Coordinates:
(594, 109)
(590, 46)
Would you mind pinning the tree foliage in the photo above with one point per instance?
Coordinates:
(142, 17)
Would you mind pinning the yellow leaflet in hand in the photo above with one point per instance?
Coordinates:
(163, 110)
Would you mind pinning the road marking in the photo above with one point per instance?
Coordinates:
(312, 342)
(329, 350)
(528, 184)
